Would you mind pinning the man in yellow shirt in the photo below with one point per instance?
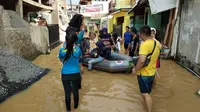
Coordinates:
(146, 74)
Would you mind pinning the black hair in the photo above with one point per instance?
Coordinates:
(146, 30)
(76, 22)
(127, 27)
(134, 30)
(100, 34)
(115, 35)
(71, 38)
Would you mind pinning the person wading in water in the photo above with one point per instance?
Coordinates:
(154, 35)
(70, 56)
(127, 40)
(77, 25)
(146, 72)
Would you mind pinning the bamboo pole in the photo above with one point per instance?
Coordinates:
(172, 28)
(168, 27)
(171, 34)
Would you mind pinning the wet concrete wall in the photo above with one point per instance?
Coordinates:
(189, 38)
(20, 38)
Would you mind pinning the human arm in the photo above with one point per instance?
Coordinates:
(59, 55)
(136, 48)
(139, 64)
(137, 45)
(82, 68)
(123, 38)
(80, 36)
(142, 58)
(80, 62)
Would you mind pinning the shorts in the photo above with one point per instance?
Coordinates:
(126, 46)
(145, 83)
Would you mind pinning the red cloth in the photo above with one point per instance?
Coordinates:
(158, 64)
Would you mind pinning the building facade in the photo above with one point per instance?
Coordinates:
(119, 19)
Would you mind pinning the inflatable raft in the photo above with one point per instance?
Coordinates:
(118, 63)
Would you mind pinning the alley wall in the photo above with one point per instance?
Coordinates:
(189, 39)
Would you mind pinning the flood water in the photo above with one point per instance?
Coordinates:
(104, 92)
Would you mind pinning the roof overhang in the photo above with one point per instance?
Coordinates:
(120, 10)
(137, 4)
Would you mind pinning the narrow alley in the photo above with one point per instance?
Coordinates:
(104, 92)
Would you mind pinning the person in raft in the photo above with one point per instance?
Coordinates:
(102, 48)
(146, 74)
(116, 42)
(104, 45)
(91, 50)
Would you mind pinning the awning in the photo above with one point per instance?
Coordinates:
(119, 10)
(158, 6)
(138, 3)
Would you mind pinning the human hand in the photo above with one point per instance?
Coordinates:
(158, 76)
(135, 53)
(82, 71)
(134, 71)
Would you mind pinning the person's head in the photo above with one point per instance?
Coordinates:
(153, 32)
(92, 35)
(105, 31)
(77, 22)
(127, 28)
(133, 31)
(71, 38)
(145, 32)
(100, 34)
(115, 36)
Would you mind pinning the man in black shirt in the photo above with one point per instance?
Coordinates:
(134, 45)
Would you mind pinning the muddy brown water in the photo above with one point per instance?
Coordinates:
(105, 92)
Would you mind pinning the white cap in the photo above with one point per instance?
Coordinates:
(153, 29)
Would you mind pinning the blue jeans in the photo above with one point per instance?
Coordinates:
(115, 54)
(95, 60)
